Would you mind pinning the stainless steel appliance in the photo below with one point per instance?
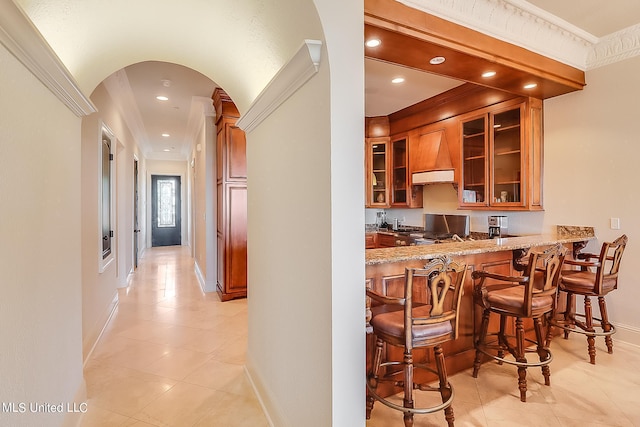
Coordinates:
(498, 226)
(440, 226)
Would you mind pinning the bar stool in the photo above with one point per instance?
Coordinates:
(418, 326)
(530, 296)
(596, 276)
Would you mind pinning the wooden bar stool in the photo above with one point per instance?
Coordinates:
(592, 276)
(417, 326)
(530, 296)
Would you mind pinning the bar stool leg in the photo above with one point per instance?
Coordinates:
(373, 380)
(543, 353)
(606, 326)
(502, 338)
(522, 370)
(484, 327)
(445, 390)
(408, 387)
(569, 311)
(591, 339)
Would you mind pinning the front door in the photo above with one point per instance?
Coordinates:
(165, 210)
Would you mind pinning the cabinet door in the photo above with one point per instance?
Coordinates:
(377, 151)
(399, 172)
(474, 172)
(506, 158)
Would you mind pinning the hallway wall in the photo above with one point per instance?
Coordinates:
(40, 249)
(99, 289)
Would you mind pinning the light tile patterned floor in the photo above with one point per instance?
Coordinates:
(173, 356)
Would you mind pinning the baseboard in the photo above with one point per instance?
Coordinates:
(206, 287)
(627, 334)
(89, 343)
(270, 409)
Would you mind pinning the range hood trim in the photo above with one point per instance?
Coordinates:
(433, 177)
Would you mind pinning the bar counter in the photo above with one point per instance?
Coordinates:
(385, 274)
(564, 235)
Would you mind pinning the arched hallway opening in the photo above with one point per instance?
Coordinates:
(171, 354)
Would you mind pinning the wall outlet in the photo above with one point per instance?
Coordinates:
(615, 223)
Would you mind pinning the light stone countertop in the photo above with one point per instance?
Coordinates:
(564, 234)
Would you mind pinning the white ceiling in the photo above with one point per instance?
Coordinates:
(382, 97)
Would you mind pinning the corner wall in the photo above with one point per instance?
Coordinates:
(40, 249)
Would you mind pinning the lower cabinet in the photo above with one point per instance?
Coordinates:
(232, 242)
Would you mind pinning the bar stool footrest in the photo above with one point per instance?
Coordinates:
(598, 331)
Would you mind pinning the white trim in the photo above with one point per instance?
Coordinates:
(522, 24)
(24, 41)
(293, 75)
(110, 312)
(626, 333)
(615, 47)
(258, 395)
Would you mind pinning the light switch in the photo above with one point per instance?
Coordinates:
(615, 223)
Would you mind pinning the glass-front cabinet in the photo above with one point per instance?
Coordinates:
(501, 148)
(377, 151)
(507, 157)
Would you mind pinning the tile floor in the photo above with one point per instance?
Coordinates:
(173, 356)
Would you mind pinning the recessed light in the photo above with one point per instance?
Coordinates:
(530, 85)
(398, 80)
(373, 43)
(162, 98)
(166, 135)
(488, 74)
(166, 149)
(437, 60)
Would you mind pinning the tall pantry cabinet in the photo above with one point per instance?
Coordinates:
(231, 188)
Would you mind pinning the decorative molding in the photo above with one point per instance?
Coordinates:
(516, 22)
(293, 75)
(615, 47)
(201, 107)
(24, 41)
(119, 89)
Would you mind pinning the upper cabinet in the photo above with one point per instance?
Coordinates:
(377, 166)
(387, 179)
(501, 157)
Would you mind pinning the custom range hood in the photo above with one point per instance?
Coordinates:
(430, 160)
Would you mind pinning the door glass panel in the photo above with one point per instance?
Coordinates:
(507, 157)
(166, 203)
(474, 157)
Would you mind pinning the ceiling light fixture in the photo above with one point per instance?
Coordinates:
(166, 135)
(398, 80)
(530, 85)
(373, 43)
(162, 98)
(437, 60)
(166, 149)
(488, 74)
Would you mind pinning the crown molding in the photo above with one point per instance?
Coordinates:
(615, 47)
(201, 107)
(293, 75)
(119, 89)
(520, 23)
(23, 40)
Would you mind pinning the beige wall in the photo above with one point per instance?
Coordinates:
(306, 258)
(99, 289)
(204, 212)
(40, 248)
(591, 172)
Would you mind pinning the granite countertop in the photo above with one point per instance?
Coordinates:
(563, 234)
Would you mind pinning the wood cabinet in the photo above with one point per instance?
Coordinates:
(501, 157)
(403, 193)
(231, 188)
(387, 180)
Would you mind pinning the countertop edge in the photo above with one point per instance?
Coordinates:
(425, 252)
